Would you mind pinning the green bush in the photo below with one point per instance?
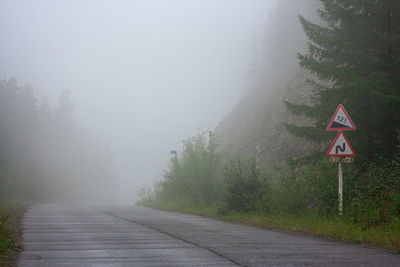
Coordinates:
(304, 185)
(376, 194)
(371, 193)
(245, 186)
(196, 174)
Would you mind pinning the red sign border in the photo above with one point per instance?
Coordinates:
(341, 129)
(341, 155)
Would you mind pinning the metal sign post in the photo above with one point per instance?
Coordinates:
(340, 189)
(340, 150)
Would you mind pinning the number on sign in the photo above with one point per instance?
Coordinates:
(341, 119)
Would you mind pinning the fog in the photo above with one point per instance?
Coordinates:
(143, 75)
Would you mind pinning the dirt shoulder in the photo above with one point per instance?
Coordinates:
(14, 225)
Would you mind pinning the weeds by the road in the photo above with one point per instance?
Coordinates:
(339, 228)
(8, 232)
(6, 241)
(335, 227)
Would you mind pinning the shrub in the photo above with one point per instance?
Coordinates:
(245, 186)
(195, 176)
(376, 195)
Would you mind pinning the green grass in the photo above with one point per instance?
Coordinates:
(6, 237)
(181, 206)
(335, 227)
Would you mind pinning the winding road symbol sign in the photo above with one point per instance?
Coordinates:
(340, 121)
(341, 147)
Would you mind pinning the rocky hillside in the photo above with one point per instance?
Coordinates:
(256, 126)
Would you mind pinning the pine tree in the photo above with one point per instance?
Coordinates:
(354, 57)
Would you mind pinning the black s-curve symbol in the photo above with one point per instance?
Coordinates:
(338, 148)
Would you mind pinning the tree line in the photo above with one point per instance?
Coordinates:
(44, 155)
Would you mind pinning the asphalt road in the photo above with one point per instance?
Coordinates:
(76, 235)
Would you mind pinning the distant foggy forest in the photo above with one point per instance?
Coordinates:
(44, 155)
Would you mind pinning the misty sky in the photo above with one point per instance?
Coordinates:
(144, 74)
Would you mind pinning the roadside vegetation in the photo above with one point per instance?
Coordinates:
(6, 240)
(9, 243)
(354, 60)
(299, 196)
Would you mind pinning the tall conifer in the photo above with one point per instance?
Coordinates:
(354, 56)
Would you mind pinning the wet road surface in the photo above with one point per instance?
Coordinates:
(76, 235)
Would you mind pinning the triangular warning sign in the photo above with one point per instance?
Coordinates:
(340, 121)
(341, 147)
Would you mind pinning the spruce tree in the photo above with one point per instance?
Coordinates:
(354, 58)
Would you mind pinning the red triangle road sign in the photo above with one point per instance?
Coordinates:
(340, 121)
(341, 147)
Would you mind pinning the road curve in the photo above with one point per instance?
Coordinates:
(77, 235)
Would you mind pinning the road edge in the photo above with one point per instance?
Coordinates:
(15, 227)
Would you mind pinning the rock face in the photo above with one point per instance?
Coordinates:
(259, 120)
(256, 126)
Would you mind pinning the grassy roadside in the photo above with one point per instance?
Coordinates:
(338, 228)
(10, 231)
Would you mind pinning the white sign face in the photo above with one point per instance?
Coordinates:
(341, 121)
(341, 147)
